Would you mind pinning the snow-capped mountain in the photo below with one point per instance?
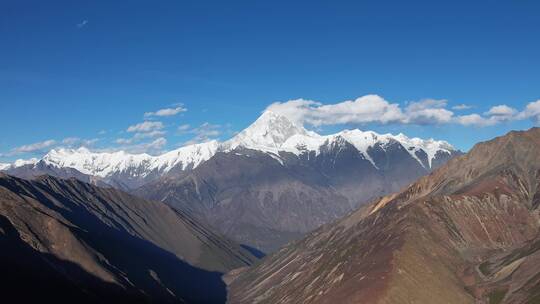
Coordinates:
(104, 164)
(271, 133)
(275, 133)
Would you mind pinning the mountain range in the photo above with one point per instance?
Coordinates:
(465, 233)
(270, 184)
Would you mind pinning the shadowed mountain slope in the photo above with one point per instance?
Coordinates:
(105, 245)
(466, 233)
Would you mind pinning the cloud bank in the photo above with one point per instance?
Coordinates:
(375, 109)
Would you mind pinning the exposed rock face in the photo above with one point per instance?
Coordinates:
(466, 233)
(73, 241)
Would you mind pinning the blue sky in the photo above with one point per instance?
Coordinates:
(82, 72)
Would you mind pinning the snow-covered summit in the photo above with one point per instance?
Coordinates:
(275, 133)
(268, 133)
(429, 146)
(363, 140)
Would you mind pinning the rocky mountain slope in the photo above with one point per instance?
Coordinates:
(68, 240)
(466, 233)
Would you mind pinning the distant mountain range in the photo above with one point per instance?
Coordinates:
(269, 184)
(466, 233)
(65, 240)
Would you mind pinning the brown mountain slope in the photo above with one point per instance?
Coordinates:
(467, 233)
(105, 245)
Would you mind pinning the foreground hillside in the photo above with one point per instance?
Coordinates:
(467, 233)
(68, 240)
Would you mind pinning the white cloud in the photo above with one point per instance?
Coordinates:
(204, 133)
(140, 136)
(35, 147)
(70, 140)
(532, 111)
(146, 126)
(124, 141)
(475, 120)
(377, 110)
(151, 134)
(157, 143)
(82, 24)
(460, 107)
(366, 109)
(78, 142)
(153, 147)
(183, 128)
(297, 110)
(166, 112)
(44, 146)
(501, 110)
(427, 112)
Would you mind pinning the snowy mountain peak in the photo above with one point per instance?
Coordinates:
(269, 132)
